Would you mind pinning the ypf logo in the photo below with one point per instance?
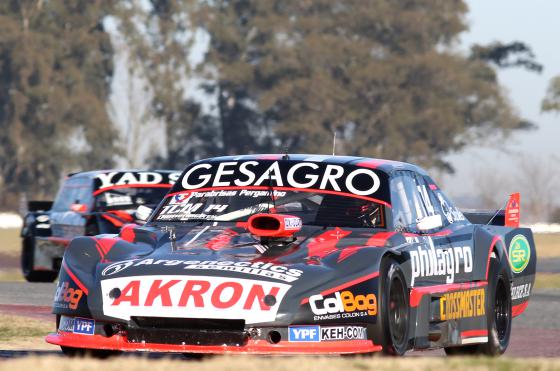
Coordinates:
(519, 253)
(116, 267)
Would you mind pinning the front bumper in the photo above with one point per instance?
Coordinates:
(121, 343)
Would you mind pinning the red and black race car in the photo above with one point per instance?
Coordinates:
(88, 203)
(294, 254)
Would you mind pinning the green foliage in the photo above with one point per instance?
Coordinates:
(282, 74)
(381, 74)
(551, 102)
(514, 54)
(55, 69)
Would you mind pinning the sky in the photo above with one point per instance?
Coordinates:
(535, 23)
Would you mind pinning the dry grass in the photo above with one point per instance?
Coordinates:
(11, 275)
(10, 241)
(24, 333)
(548, 245)
(247, 363)
(547, 281)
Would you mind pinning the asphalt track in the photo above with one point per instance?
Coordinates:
(536, 333)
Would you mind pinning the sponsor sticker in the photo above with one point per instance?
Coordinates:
(339, 333)
(519, 253)
(359, 181)
(342, 305)
(326, 333)
(462, 304)
(67, 297)
(84, 326)
(262, 269)
(42, 218)
(429, 261)
(116, 178)
(292, 223)
(66, 324)
(520, 291)
(192, 297)
(115, 199)
(304, 333)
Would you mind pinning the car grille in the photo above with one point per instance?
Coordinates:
(187, 331)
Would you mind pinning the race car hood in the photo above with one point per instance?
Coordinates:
(222, 271)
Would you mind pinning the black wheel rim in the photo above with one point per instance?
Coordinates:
(398, 316)
(502, 310)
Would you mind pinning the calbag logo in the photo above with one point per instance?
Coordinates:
(519, 253)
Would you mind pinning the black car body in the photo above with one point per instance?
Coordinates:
(87, 204)
(293, 254)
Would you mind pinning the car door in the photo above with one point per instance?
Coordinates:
(433, 258)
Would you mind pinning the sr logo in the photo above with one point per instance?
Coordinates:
(116, 267)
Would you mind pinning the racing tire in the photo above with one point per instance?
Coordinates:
(92, 353)
(498, 314)
(196, 356)
(27, 261)
(394, 311)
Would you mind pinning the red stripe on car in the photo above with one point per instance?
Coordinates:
(417, 293)
(74, 278)
(516, 310)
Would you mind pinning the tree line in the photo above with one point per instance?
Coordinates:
(385, 76)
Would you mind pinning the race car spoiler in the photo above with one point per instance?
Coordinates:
(508, 216)
(490, 217)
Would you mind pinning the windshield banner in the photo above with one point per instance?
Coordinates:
(286, 175)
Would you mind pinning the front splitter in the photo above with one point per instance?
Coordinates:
(121, 343)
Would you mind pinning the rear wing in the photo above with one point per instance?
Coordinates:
(490, 217)
(39, 205)
(508, 216)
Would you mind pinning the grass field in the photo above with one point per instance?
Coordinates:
(548, 245)
(10, 242)
(24, 333)
(247, 363)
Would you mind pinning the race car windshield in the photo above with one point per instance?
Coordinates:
(222, 205)
(130, 198)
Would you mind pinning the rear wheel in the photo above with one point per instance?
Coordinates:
(394, 309)
(27, 263)
(498, 315)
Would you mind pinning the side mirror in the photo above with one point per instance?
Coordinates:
(79, 208)
(142, 213)
(430, 222)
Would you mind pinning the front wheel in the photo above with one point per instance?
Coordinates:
(93, 353)
(394, 309)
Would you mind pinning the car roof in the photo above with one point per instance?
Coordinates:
(93, 173)
(387, 166)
